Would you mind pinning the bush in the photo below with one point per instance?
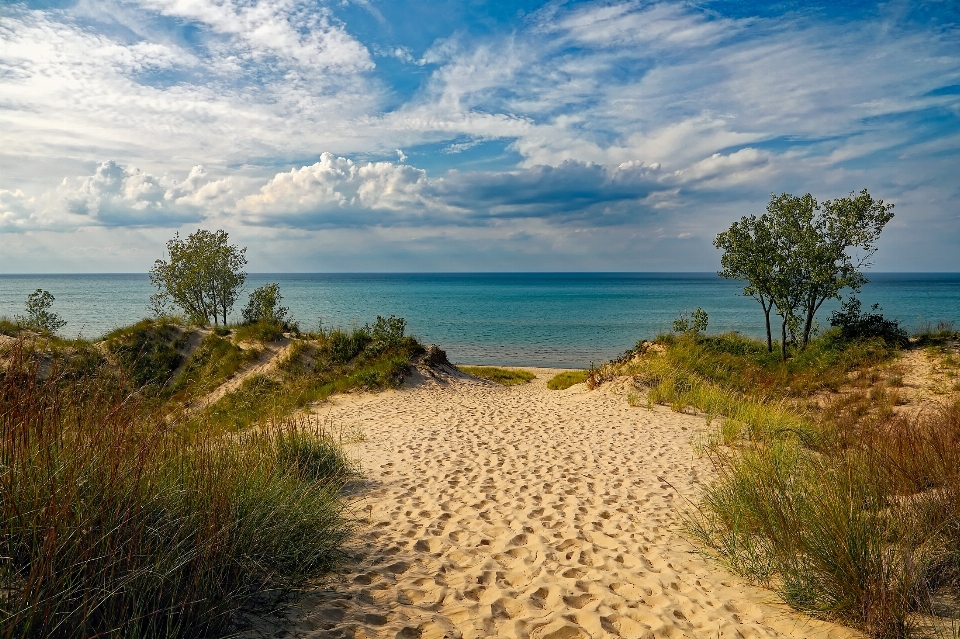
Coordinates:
(345, 346)
(855, 325)
(113, 525)
(386, 333)
(38, 315)
(697, 322)
(263, 306)
(145, 353)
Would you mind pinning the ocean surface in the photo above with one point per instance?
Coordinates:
(525, 319)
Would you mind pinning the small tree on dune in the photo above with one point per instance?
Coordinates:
(203, 276)
(263, 305)
(801, 253)
(750, 254)
(38, 314)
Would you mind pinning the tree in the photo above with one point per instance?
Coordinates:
(203, 276)
(842, 241)
(750, 254)
(38, 315)
(824, 247)
(264, 306)
(801, 253)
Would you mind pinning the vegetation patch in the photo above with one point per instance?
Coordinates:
(371, 358)
(503, 376)
(849, 510)
(116, 524)
(146, 352)
(566, 379)
(216, 360)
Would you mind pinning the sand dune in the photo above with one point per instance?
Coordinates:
(524, 512)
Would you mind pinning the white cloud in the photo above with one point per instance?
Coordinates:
(292, 31)
(119, 196)
(338, 192)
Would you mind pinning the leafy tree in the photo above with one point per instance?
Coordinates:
(264, 306)
(750, 254)
(203, 276)
(842, 241)
(38, 314)
(823, 248)
(801, 253)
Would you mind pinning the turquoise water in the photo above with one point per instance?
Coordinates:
(533, 319)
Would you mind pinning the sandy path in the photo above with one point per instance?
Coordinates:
(523, 512)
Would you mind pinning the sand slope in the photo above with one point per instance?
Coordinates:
(524, 512)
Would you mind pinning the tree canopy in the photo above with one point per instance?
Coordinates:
(203, 276)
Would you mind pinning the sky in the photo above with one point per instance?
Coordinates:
(464, 135)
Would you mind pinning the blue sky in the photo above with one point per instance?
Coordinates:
(466, 136)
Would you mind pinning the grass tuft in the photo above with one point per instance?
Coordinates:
(566, 379)
(503, 376)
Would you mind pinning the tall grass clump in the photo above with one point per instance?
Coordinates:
(146, 352)
(112, 524)
(566, 379)
(846, 508)
(502, 376)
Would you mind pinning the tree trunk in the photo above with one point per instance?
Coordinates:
(766, 313)
(808, 324)
(783, 339)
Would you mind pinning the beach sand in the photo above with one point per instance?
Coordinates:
(524, 512)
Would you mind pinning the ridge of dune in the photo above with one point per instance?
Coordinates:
(524, 512)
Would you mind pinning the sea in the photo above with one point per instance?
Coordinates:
(564, 320)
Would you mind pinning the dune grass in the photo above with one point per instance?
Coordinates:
(846, 509)
(328, 362)
(566, 379)
(113, 522)
(503, 376)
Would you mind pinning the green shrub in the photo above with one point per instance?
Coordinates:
(854, 324)
(566, 379)
(39, 317)
(386, 333)
(503, 376)
(145, 352)
(345, 346)
(264, 307)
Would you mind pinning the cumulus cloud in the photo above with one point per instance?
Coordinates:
(337, 192)
(118, 196)
(16, 210)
